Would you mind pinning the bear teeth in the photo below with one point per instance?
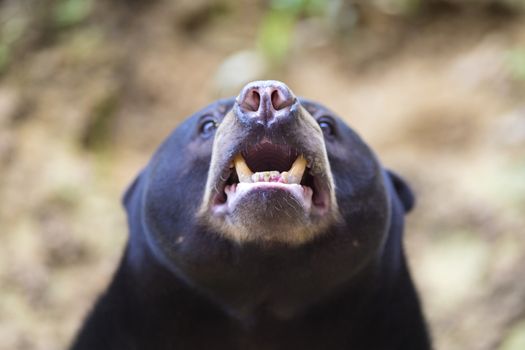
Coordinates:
(266, 176)
(243, 171)
(295, 174)
(292, 176)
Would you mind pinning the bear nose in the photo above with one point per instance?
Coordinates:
(264, 101)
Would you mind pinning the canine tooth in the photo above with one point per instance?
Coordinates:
(243, 171)
(295, 174)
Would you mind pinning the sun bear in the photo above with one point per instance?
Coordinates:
(262, 222)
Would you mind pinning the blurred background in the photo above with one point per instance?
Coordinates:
(88, 89)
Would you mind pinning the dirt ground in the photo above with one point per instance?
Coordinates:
(85, 100)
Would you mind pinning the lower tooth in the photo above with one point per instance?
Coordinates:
(292, 179)
(265, 176)
(284, 177)
(289, 178)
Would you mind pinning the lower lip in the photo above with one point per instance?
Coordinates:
(269, 184)
(298, 191)
(236, 192)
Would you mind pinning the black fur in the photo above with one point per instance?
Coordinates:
(180, 286)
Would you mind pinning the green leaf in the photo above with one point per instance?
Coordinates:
(4, 56)
(276, 33)
(516, 62)
(71, 12)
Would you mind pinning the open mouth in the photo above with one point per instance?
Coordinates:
(271, 167)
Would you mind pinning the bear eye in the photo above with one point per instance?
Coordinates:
(327, 126)
(208, 127)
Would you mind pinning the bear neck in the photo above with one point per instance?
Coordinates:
(154, 286)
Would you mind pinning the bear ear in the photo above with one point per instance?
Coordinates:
(131, 196)
(403, 191)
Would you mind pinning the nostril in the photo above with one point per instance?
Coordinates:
(276, 100)
(279, 100)
(252, 100)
